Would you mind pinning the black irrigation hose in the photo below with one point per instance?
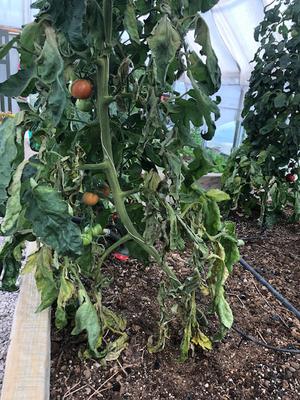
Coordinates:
(274, 292)
(267, 346)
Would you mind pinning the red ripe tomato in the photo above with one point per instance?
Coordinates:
(81, 89)
(291, 178)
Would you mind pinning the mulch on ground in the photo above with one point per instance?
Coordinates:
(234, 369)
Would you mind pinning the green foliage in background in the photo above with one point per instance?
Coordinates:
(262, 175)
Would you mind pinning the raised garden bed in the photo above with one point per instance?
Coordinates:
(234, 369)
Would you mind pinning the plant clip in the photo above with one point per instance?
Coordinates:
(120, 256)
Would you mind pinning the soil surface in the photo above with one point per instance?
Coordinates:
(234, 369)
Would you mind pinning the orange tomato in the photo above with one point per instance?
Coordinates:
(90, 199)
(81, 89)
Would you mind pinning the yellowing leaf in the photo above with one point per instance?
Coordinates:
(217, 195)
(30, 264)
(66, 292)
(202, 340)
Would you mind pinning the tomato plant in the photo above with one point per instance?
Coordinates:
(128, 146)
(259, 173)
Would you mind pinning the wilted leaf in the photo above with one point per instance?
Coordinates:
(202, 37)
(224, 311)
(115, 348)
(66, 292)
(17, 84)
(130, 22)
(13, 207)
(202, 340)
(51, 221)
(51, 71)
(4, 49)
(217, 195)
(164, 42)
(44, 278)
(9, 265)
(8, 153)
(86, 319)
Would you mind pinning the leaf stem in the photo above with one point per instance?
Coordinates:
(94, 167)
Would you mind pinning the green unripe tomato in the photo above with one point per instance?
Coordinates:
(97, 230)
(86, 238)
(84, 105)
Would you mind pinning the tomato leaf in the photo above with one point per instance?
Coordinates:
(164, 42)
(86, 319)
(51, 221)
(13, 207)
(8, 153)
(17, 84)
(66, 292)
(9, 265)
(217, 195)
(44, 278)
(51, 71)
(130, 22)
(4, 49)
(202, 37)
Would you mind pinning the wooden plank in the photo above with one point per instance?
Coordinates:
(27, 371)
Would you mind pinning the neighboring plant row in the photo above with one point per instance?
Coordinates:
(262, 175)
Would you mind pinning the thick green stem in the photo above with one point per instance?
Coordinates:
(111, 173)
(114, 246)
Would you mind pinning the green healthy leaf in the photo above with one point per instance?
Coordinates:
(51, 221)
(130, 22)
(44, 278)
(4, 49)
(280, 100)
(86, 319)
(164, 42)
(217, 195)
(13, 207)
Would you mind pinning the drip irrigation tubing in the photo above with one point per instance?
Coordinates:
(267, 346)
(271, 289)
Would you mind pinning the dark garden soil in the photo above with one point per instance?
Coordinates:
(234, 369)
